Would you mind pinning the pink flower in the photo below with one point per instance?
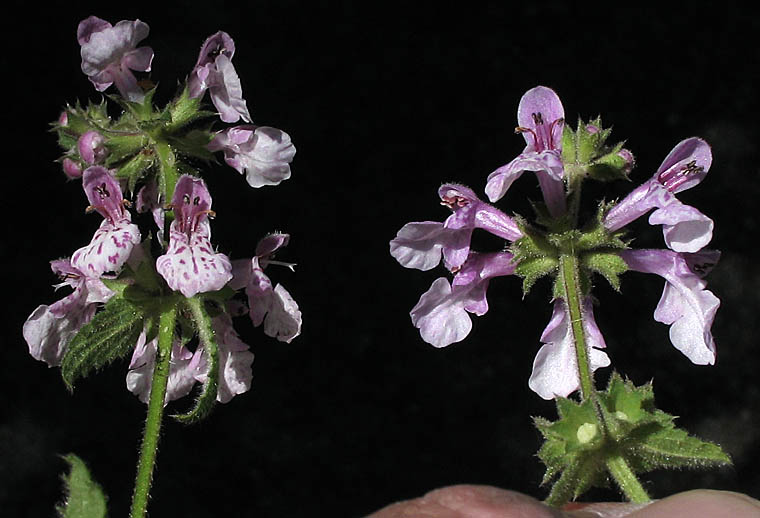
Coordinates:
(686, 305)
(49, 329)
(540, 119)
(214, 72)
(555, 369)
(109, 54)
(441, 314)
(235, 361)
(188, 368)
(272, 306)
(420, 245)
(263, 154)
(190, 265)
(114, 240)
(685, 228)
(140, 375)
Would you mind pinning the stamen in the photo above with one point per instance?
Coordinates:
(520, 129)
(538, 119)
(556, 123)
(454, 202)
(673, 178)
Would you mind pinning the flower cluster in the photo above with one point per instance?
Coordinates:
(148, 155)
(686, 305)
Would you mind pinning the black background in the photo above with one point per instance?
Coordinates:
(384, 103)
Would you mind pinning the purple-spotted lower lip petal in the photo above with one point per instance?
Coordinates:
(109, 249)
(190, 265)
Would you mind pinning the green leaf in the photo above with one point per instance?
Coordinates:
(673, 448)
(84, 497)
(110, 335)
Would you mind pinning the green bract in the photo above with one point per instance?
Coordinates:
(585, 153)
(144, 141)
(580, 455)
(537, 253)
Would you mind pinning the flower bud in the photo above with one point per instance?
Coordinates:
(92, 147)
(629, 159)
(72, 169)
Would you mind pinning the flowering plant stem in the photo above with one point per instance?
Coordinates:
(627, 480)
(616, 464)
(155, 413)
(572, 294)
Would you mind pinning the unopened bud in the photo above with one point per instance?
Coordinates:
(72, 169)
(629, 159)
(92, 147)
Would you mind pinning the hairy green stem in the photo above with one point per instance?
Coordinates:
(155, 413)
(626, 479)
(568, 264)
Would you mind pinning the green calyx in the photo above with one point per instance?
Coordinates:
(586, 153)
(144, 142)
(616, 434)
(538, 253)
